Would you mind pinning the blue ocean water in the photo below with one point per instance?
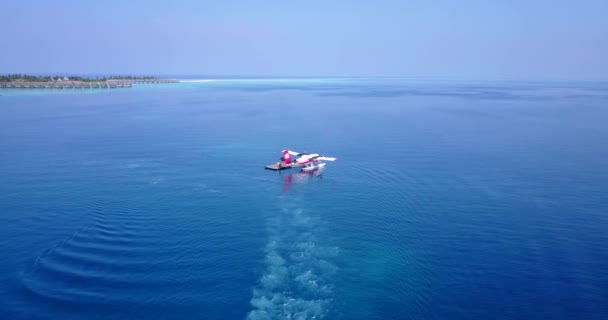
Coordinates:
(450, 200)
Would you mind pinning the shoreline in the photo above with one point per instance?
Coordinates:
(75, 84)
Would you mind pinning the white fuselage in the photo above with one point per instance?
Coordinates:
(306, 157)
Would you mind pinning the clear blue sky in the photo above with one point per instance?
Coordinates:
(470, 39)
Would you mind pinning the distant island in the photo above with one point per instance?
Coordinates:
(75, 82)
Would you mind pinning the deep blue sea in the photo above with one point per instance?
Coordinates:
(450, 200)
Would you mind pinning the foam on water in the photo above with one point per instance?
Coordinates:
(297, 283)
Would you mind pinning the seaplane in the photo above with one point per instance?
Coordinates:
(305, 161)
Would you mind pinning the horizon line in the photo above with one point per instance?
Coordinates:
(249, 76)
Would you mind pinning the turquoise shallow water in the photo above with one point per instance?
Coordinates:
(450, 200)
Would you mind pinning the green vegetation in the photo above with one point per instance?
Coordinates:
(23, 77)
(29, 78)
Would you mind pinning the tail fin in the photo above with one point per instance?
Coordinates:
(287, 157)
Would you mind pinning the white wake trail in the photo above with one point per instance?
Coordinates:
(297, 281)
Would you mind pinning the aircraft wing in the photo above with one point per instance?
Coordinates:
(322, 158)
(293, 153)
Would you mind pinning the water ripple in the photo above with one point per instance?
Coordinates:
(115, 258)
